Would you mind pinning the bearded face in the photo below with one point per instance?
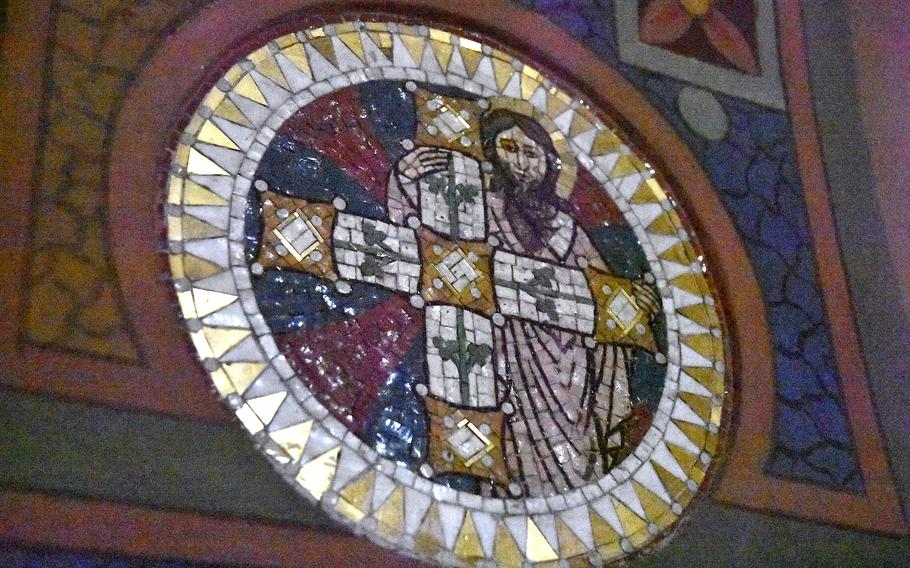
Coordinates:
(524, 158)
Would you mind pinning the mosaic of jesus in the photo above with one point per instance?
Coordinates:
(456, 288)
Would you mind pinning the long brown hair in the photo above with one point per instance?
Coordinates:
(530, 212)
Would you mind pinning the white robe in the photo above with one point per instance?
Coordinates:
(566, 396)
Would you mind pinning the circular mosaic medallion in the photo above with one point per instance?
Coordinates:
(448, 302)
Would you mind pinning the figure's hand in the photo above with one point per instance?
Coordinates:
(646, 298)
(422, 161)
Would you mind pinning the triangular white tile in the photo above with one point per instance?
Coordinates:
(350, 465)
(428, 61)
(218, 216)
(688, 384)
(416, 505)
(539, 99)
(682, 411)
(319, 442)
(207, 301)
(253, 111)
(401, 57)
(518, 526)
(486, 531)
(484, 74)
(579, 522)
(585, 140)
(564, 121)
(198, 164)
(628, 185)
(297, 79)
(451, 518)
(662, 457)
(692, 358)
(346, 59)
(274, 93)
(246, 350)
(648, 477)
(673, 435)
(227, 159)
(604, 507)
(382, 488)
(513, 87)
(647, 212)
(267, 382)
(547, 526)
(214, 250)
(626, 494)
(662, 243)
(456, 64)
(374, 56)
(223, 186)
(605, 164)
(230, 316)
(321, 67)
(221, 282)
(689, 327)
(683, 298)
(288, 415)
(674, 269)
(241, 135)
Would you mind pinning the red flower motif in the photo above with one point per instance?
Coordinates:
(665, 21)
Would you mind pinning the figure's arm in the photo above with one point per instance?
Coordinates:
(402, 196)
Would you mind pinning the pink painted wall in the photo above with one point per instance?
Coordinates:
(881, 43)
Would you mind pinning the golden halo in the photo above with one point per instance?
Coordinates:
(568, 168)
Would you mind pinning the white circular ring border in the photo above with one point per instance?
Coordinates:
(326, 431)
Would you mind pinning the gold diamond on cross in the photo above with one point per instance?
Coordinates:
(298, 235)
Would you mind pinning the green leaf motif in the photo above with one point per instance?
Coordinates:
(479, 354)
(372, 235)
(474, 354)
(373, 262)
(448, 348)
(548, 306)
(543, 278)
(437, 185)
(466, 192)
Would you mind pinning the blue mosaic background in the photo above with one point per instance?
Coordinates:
(754, 171)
